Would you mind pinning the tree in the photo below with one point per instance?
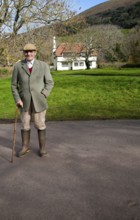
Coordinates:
(105, 40)
(111, 40)
(20, 19)
(132, 45)
(86, 39)
(16, 15)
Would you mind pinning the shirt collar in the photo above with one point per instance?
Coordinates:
(30, 62)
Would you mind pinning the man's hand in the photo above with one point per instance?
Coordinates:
(19, 104)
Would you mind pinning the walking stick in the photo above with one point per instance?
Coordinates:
(14, 135)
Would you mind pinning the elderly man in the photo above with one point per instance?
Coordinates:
(31, 85)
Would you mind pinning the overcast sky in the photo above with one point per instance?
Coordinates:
(86, 4)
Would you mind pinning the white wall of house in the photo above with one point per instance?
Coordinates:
(93, 62)
(93, 65)
(62, 63)
(78, 65)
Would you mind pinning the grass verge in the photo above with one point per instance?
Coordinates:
(86, 95)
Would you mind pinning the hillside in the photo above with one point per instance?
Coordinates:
(124, 13)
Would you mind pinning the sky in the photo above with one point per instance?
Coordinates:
(85, 4)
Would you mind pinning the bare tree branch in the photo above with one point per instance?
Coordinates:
(18, 13)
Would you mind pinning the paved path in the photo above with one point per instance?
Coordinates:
(92, 172)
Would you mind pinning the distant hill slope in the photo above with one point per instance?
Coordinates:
(124, 13)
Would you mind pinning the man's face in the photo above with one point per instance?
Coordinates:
(29, 55)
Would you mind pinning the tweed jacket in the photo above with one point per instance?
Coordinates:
(36, 85)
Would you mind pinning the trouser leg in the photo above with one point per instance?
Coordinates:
(40, 125)
(25, 135)
(42, 142)
(39, 120)
(25, 119)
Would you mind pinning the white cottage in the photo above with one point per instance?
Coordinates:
(71, 56)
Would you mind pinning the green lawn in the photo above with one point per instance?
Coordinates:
(86, 94)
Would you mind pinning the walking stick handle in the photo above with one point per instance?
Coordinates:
(14, 135)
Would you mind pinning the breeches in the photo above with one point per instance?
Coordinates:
(37, 117)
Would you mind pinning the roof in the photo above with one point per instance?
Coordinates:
(69, 48)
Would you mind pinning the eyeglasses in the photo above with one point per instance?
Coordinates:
(29, 51)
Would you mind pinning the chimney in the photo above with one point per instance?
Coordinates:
(54, 44)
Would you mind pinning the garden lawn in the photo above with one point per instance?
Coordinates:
(86, 95)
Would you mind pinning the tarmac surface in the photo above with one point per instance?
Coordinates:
(92, 172)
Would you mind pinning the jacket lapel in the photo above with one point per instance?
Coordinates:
(24, 66)
(35, 66)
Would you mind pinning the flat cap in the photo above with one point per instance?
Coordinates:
(29, 47)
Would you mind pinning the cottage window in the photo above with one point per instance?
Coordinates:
(64, 64)
(81, 63)
(76, 64)
(90, 63)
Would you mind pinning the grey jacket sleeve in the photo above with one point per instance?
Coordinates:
(14, 84)
(48, 81)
